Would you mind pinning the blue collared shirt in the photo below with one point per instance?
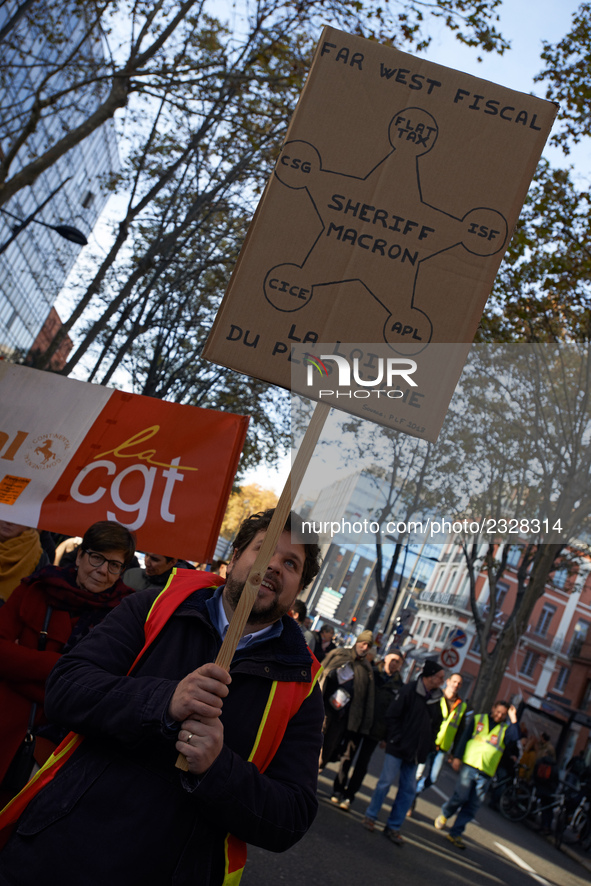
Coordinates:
(219, 619)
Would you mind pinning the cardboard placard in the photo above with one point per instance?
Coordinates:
(388, 213)
(73, 453)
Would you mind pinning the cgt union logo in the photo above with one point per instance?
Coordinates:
(389, 371)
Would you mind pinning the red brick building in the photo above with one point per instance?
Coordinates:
(550, 669)
(46, 336)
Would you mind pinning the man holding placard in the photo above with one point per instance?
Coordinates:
(146, 687)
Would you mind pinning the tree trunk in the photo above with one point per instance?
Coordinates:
(497, 662)
(122, 82)
(491, 673)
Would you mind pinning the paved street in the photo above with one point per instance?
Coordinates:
(338, 850)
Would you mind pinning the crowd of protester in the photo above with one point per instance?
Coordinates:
(100, 702)
(55, 590)
(424, 724)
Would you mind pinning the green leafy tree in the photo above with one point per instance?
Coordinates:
(567, 74)
(543, 290)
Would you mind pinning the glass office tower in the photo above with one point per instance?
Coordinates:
(34, 267)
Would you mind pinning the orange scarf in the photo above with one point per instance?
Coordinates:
(18, 558)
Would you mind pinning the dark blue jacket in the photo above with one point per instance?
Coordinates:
(413, 720)
(119, 812)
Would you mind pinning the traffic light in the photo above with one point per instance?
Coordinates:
(401, 627)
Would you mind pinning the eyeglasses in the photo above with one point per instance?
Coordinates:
(97, 560)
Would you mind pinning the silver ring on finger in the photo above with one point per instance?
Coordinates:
(189, 737)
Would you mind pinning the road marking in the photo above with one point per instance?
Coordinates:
(437, 791)
(522, 864)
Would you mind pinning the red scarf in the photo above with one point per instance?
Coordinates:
(86, 609)
(60, 588)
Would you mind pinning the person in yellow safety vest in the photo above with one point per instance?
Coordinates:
(452, 710)
(478, 755)
(144, 688)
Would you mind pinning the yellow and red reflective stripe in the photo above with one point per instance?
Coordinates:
(263, 723)
(234, 860)
(316, 674)
(285, 700)
(168, 601)
(160, 611)
(15, 808)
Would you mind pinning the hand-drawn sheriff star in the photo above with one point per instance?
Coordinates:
(364, 236)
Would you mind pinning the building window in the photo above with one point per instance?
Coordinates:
(514, 556)
(444, 633)
(439, 580)
(452, 578)
(560, 576)
(459, 554)
(420, 627)
(546, 616)
(432, 630)
(562, 679)
(528, 664)
(476, 644)
(502, 591)
(579, 637)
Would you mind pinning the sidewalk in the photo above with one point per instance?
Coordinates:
(583, 858)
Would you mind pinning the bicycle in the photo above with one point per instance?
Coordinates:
(573, 824)
(498, 783)
(520, 801)
(585, 831)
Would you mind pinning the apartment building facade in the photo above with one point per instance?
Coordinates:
(550, 668)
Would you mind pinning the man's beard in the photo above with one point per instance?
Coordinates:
(261, 613)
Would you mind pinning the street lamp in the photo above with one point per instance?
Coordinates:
(68, 232)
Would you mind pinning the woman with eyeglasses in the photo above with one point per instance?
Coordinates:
(45, 616)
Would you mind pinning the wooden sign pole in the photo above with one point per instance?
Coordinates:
(276, 527)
